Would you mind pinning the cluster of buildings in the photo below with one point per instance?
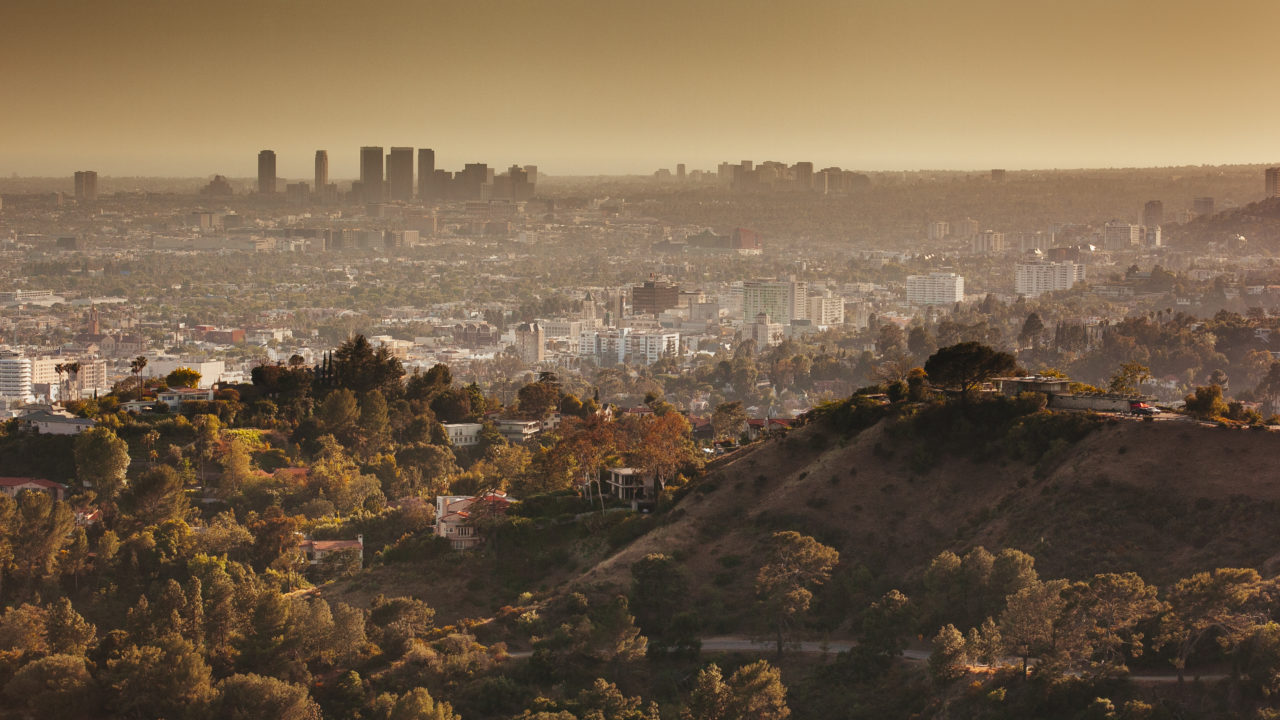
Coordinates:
(391, 177)
(769, 176)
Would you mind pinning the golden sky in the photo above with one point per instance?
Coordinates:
(187, 87)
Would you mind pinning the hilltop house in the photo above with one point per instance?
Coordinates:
(456, 514)
(316, 550)
(55, 422)
(11, 486)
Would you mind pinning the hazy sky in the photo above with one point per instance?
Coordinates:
(187, 87)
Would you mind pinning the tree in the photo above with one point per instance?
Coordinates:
(42, 526)
(948, 661)
(102, 459)
(1228, 603)
(155, 496)
(1031, 329)
(796, 562)
(1206, 403)
(967, 365)
(1101, 617)
(1028, 621)
(339, 413)
(53, 688)
(417, 704)
(183, 377)
(67, 631)
(728, 419)
(249, 697)
(358, 367)
(537, 400)
(658, 591)
(136, 366)
(753, 692)
(1129, 378)
(170, 680)
(273, 535)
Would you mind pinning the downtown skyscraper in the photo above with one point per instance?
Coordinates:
(400, 174)
(371, 182)
(267, 172)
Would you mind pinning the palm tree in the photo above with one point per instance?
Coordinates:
(136, 365)
(60, 368)
(73, 378)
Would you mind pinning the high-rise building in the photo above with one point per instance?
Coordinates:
(427, 174)
(1034, 279)
(937, 288)
(371, 183)
(988, 241)
(1118, 235)
(532, 172)
(939, 230)
(826, 309)
(1273, 182)
(267, 172)
(1153, 213)
(15, 377)
(86, 186)
(680, 172)
(1202, 206)
(400, 174)
(804, 175)
(322, 170)
(531, 343)
(654, 296)
(782, 300)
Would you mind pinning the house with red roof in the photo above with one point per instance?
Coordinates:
(456, 516)
(11, 486)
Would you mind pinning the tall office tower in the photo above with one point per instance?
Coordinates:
(521, 188)
(1273, 182)
(997, 175)
(371, 184)
(1202, 206)
(1153, 213)
(532, 172)
(86, 186)
(471, 181)
(653, 296)
(426, 174)
(680, 174)
(400, 174)
(939, 230)
(804, 175)
(266, 172)
(322, 170)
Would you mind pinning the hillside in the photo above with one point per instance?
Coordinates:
(1159, 498)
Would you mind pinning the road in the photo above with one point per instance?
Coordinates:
(740, 643)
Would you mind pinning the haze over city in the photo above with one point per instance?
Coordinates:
(617, 360)
(148, 87)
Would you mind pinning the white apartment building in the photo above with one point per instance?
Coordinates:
(939, 230)
(937, 288)
(1034, 279)
(211, 371)
(781, 300)
(1121, 236)
(463, 434)
(617, 345)
(826, 310)
(15, 378)
(989, 241)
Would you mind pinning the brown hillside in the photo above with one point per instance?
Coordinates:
(1165, 499)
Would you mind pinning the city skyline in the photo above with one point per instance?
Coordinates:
(629, 87)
